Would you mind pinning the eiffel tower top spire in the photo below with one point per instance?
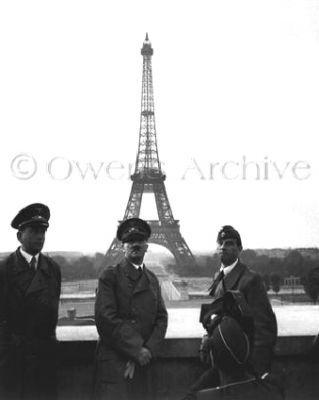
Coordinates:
(147, 160)
(147, 47)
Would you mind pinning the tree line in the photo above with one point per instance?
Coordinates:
(85, 267)
(272, 269)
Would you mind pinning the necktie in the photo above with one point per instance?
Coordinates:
(33, 264)
(215, 283)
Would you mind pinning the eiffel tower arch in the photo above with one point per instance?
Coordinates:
(148, 177)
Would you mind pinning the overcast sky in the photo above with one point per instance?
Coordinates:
(236, 89)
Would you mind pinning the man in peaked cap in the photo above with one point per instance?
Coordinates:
(30, 285)
(131, 320)
(234, 275)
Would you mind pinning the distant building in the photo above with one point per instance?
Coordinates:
(292, 282)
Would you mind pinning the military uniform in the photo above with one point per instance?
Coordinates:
(29, 302)
(241, 278)
(130, 314)
(265, 324)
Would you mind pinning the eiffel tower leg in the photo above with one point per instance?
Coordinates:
(114, 254)
(135, 200)
(163, 207)
(169, 236)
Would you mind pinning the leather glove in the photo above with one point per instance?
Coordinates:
(129, 370)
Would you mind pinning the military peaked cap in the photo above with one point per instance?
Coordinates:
(230, 345)
(228, 232)
(33, 214)
(133, 229)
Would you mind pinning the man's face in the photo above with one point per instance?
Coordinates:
(228, 251)
(32, 238)
(135, 250)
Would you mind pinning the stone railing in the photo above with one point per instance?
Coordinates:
(296, 359)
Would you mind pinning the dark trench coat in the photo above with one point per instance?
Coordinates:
(129, 313)
(265, 324)
(28, 317)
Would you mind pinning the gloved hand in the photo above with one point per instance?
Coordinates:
(144, 357)
(129, 370)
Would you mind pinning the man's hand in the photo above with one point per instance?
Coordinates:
(144, 357)
(129, 370)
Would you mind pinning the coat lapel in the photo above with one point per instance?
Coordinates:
(143, 283)
(20, 272)
(39, 281)
(20, 264)
(139, 282)
(232, 278)
(130, 272)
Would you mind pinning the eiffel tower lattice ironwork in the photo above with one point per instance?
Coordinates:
(149, 178)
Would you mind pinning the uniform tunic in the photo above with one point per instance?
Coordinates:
(265, 323)
(29, 303)
(130, 314)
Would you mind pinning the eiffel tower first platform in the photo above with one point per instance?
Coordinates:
(149, 178)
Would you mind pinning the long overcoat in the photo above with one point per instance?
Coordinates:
(129, 313)
(265, 324)
(29, 305)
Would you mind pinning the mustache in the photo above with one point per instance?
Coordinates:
(136, 248)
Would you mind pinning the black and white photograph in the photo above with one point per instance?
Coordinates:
(159, 219)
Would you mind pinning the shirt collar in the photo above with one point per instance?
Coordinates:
(228, 268)
(28, 256)
(136, 266)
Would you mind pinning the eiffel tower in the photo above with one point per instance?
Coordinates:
(149, 178)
